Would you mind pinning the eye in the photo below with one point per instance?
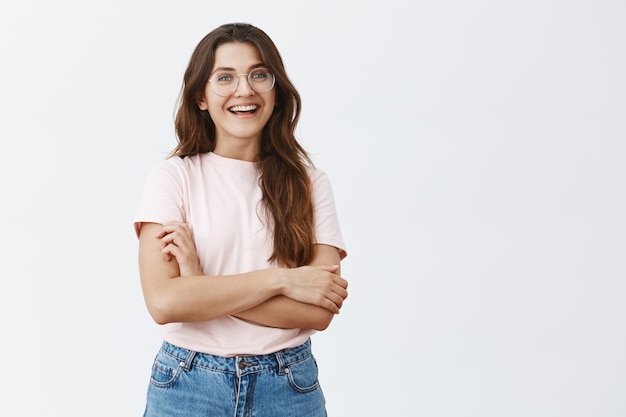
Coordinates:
(260, 75)
(224, 77)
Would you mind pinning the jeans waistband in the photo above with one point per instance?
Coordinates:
(239, 364)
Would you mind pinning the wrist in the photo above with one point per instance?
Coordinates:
(279, 281)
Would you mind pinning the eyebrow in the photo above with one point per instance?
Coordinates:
(255, 66)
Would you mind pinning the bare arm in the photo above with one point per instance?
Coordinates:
(176, 291)
(284, 312)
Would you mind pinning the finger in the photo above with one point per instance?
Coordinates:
(167, 249)
(331, 302)
(340, 295)
(165, 234)
(331, 306)
(337, 301)
(179, 239)
(167, 254)
(173, 248)
(168, 239)
(175, 251)
(328, 268)
(176, 238)
(341, 292)
(337, 280)
(165, 230)
(171, 227)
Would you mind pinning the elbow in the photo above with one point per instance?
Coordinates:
(159, 316)
(322, 322)
(160, 310)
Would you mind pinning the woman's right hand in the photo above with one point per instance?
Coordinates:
(318, 285)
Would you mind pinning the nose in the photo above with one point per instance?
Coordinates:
(243, 87)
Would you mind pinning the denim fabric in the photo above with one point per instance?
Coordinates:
(186, 383)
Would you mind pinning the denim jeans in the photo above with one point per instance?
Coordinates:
(187, 383)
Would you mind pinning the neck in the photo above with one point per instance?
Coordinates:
(243, 149)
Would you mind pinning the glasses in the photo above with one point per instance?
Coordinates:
(224, 83)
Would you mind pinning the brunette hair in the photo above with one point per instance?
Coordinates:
(283, 162)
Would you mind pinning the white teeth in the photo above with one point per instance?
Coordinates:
(251, 107)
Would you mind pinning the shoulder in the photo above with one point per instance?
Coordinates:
(321, 186)
(316, 174)
(176, 166)
(173, 173)
(169, 164)
(320, 180)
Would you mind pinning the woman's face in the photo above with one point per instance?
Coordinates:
(240, 117)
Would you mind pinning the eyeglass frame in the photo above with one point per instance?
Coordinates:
(248, 79)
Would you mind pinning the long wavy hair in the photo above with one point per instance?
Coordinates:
(283, 162)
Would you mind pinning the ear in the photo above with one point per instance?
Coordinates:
(202, 103)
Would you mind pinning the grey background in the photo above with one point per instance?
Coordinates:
(477, 151)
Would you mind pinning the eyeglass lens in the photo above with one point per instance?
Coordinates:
(225, 83)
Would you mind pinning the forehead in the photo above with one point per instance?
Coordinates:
(237, 55)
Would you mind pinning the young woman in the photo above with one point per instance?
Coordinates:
(239, 242)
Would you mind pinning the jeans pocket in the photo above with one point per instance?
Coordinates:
(165, 370)
(303, 375)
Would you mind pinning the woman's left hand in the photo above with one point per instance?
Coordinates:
(177, 242)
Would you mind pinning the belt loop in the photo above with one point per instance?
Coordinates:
(190, 357)
(281, 362)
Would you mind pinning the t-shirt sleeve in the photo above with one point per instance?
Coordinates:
(327, 230)
(163, 195)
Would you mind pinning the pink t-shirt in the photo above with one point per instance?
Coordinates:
(220, 199)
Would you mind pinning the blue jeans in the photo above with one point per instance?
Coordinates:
(189, 384)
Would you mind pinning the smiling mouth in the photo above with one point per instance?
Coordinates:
(249, 109)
